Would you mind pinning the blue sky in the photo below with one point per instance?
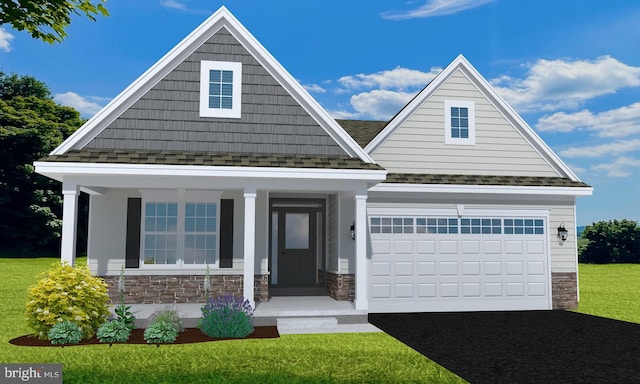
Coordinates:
(570, 68)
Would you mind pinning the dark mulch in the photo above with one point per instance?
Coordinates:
(190, 335)
(522, 347)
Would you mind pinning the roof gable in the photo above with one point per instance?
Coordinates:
(461, 82)
(130, 109)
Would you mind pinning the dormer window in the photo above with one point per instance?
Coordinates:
(459, 122)
(220, 89)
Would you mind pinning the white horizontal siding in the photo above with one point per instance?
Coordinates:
(417, 146)
(564, 254)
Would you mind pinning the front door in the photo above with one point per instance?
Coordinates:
(296, 235)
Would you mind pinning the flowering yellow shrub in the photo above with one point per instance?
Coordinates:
(67, 293)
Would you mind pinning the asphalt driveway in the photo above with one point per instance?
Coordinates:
(522, 347)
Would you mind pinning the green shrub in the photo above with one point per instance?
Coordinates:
(160, 332)
(114, 331)
(227, 317)
(65, 332)
(169, 315)
(67, 293)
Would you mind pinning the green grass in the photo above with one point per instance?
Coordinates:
(610, 290)
(341, 358)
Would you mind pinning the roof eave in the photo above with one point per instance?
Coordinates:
(482, 189)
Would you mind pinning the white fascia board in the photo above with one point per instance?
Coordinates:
(144, 83)
(481, 189)
(410, 108)
(512, 114)
(297, 91)
(109, 169)
(221, 18)
(477, 78)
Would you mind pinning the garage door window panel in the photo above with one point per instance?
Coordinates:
(439, 225)
(524, 226)
(485, 226)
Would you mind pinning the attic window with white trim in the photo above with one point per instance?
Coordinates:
(459, 122)
(220, 89)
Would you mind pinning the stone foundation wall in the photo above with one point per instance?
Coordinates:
(181, 289)
(341, 286)
(261, 288)
(564, 290)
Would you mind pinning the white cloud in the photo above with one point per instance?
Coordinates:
(620, 122)
(380, 104)
(436, 8)
(602, 150)
(552, 85)
(621, 167)
(5, 40)
(173, 4)
(314, 88)
(87, 106)
(398, 78)
(383, 93)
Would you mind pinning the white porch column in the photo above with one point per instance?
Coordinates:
(70, 194)
(249, 244)
(361, 302)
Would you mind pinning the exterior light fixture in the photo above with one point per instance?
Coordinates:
(562, 232)
(353, 231)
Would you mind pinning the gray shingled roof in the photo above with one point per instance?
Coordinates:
(363, 131)
(210, 159)
(529, 181)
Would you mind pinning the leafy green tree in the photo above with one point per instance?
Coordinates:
(614, 241)
(30, 127)
(47, 19)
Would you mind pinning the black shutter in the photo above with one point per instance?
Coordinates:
(226, 233)
(134, 213)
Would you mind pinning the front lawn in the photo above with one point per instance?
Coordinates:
(610, 290)
(340, 358)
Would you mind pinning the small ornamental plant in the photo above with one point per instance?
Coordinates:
(169, 315)
(123, 311)
(160, 332)
(206, 284)
(114, 331)
(65, 332)
(227, 316)
(66, 293)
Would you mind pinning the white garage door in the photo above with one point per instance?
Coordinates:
(434, 262)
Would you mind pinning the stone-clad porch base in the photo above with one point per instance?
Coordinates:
(182, 289)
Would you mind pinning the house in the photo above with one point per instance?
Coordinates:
(216, 157)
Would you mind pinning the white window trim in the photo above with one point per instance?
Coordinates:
(471, 140)
(181, 197)
(205, 67)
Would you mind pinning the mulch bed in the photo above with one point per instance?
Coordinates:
(190, 335)
(522, 347)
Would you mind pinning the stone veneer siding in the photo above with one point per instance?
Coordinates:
(564, 290)
(181, 289)
(341, 286)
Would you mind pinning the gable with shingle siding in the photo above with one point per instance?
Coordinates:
(418, 144)
(166, 118)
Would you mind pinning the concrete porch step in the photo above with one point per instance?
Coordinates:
(306, 322)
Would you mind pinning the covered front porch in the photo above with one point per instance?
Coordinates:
(244, 242)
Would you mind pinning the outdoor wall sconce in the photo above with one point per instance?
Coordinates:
(562, 232)
(353, 231)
